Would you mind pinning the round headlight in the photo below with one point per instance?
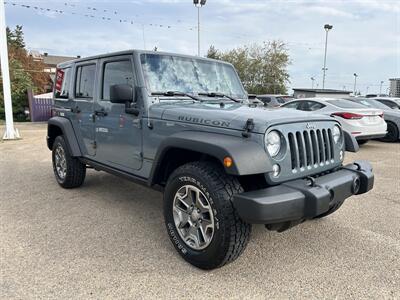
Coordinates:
(273, 142)
(336, 133)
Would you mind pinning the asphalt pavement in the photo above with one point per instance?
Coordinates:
(107, 239)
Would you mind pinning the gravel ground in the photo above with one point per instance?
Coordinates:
(107, 239)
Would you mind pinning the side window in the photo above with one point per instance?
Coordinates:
(312, 106)
(84, 84)
(116, 72)
(292, 105)
(389, 103)
(62, 81)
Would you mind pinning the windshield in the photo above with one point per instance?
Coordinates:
(164, 73)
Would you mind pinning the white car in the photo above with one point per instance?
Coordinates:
(362, 122)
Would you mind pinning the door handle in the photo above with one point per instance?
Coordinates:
(75, 109)
(100, 112)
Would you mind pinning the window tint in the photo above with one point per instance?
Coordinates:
(345, 104)
(389, 103)
(280, 100)
(84, 85)
(292, 105)
(265, 99)
(312, 106)
(63, 79)
(117, 72)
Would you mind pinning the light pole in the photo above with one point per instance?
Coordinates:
(10, 133)
(355, 83)
(198, 4)
(380, 88)
(327, 27)
(312, 82)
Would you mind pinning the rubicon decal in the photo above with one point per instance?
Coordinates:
(203, 121)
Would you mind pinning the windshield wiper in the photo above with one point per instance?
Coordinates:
(214, 94)
(176, 93)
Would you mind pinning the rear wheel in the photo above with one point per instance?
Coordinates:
(200, 218)
(69, 171)
(392, 133)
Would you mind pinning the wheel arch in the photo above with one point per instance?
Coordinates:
(248, 157)
(57, 126)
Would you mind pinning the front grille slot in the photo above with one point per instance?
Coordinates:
(310, 148)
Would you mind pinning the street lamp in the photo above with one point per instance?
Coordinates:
(355, 83)
(327, 27)
(312, 82)
(198, 4)
(380, 88)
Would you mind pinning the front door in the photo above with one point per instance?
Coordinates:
(117, 134)
(84, 95)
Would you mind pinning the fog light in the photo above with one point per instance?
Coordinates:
(276, 169)
(341, 155)
(228, 162)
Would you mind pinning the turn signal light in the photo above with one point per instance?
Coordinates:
(348, 115)
(228, 162)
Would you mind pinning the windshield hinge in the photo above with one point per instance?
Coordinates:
(248, 128)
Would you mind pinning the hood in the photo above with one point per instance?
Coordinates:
(230, 115)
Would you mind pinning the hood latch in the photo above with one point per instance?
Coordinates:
(248, 128)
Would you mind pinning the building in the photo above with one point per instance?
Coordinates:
(321, 93)
(394, 87)
(50, 62)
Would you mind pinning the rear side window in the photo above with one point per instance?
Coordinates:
(345, 104)
(62, 83)
(84, 85)
(116, 72)
(312, 106)
(292, 105)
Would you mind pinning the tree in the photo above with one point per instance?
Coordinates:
(25, 73)
(261, 67)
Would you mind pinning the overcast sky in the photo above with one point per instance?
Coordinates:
(365, 38)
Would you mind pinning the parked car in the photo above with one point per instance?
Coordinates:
(363, 123)
(375, 95)
(392, 102)
(274, 100)
(391, 116)
(182, 125)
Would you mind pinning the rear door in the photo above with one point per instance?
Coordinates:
(118, 134)
(84, 95)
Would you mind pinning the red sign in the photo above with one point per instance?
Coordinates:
(59, 80)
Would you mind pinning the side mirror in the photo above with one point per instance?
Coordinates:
(121, 93)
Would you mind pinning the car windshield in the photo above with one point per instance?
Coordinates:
(345, 103)
(164, 73)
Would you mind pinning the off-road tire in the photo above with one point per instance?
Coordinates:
(231, 234)
(392, 133)
(75, 169)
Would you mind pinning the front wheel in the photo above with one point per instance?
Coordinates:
(200, 218)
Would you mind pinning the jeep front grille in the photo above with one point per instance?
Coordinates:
(310, 148)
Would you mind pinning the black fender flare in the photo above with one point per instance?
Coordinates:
(350, 142)
(68, 132)
(248, 156)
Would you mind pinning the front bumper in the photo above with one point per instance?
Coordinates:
(303, 199)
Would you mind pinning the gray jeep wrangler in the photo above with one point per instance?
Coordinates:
(184, 125)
